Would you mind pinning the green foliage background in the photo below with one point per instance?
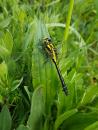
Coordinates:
(31, 97)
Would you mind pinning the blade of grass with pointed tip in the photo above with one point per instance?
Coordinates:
(5, 119)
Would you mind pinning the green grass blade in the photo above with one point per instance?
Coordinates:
(63, 117)
(93, 126)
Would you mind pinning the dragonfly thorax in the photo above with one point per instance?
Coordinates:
(50, 49)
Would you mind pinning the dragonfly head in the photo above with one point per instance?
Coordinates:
(47, 40)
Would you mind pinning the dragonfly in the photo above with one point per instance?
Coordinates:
(51, 52)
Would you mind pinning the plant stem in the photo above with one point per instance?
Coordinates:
(68, 19)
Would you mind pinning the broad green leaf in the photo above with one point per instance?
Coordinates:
(6, 45)
(4, 79)
(4, 23)
(37, 110)
(8, 41)
(3, 69)
(5, 119)
(3, 52)
(93, 126)
(21, 17)
(63, 117)
(43, 70)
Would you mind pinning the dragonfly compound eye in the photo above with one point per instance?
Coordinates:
(49, 40)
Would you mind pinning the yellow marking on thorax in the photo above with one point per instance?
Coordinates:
(51, 47)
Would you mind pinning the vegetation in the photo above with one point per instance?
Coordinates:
(31, 96)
